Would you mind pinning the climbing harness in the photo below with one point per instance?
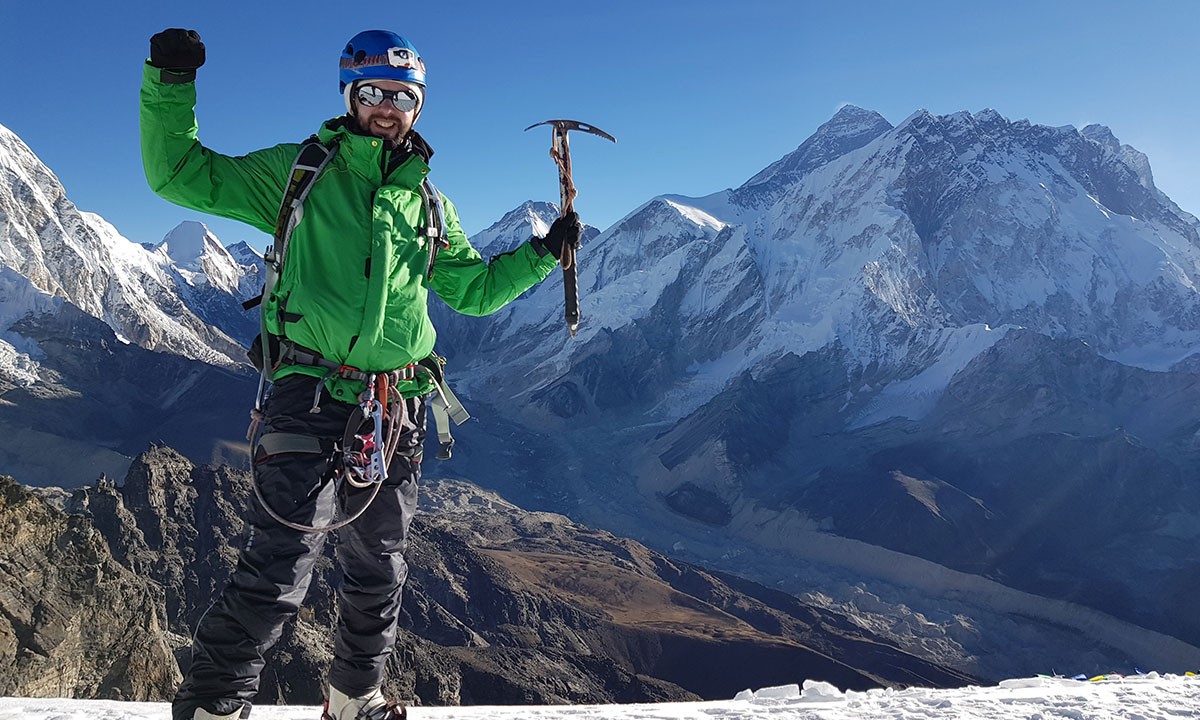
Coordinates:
(372, 435)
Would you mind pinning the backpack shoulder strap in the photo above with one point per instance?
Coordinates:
(312, 159)
(306, 168)
(314, 155)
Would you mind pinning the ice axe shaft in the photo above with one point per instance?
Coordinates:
(560, 150)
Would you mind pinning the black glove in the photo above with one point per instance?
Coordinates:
(564, 232)
(177, 53)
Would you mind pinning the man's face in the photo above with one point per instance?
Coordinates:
(384, 120)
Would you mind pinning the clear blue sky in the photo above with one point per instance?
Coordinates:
(701, 95)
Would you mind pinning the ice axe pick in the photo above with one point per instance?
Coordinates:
(560, 150)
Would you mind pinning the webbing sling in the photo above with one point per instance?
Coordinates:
(445, 405)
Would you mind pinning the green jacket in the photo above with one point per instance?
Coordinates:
(354, 285)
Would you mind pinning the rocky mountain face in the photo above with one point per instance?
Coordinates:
(503, 606)
(74, 622)
(961, 345)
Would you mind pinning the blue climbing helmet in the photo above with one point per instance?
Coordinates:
(379, 55)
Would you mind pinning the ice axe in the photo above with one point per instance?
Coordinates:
(560, 150)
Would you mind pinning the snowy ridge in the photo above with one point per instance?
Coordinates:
(1150, 696)
(146, 297)
(849, 129)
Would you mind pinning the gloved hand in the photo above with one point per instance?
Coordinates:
(177, 53)
(564, 232)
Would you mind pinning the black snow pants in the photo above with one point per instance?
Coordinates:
(275, 566)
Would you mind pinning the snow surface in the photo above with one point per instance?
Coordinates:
(1144, 697)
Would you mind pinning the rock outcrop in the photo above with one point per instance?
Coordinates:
(74, 622)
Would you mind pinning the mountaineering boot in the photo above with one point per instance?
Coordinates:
(202, 714)
(372, 706)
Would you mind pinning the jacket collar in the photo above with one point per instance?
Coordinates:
(407, 165)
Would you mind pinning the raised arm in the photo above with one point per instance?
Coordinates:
(178, 167)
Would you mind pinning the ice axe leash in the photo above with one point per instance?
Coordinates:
(560, 150)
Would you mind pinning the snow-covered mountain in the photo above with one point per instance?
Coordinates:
(148, 298)
(214, 280)
(906, 353)
(965, 320)
(81, 307)
(529, 219)
(914, 247)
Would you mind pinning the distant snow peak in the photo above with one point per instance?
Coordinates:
(848, 130)
(200, 258)
(989, 116)
(665, 216)
(244, 254)
(518, 225)
(1133, 158)
(530, 211)
(1102, 135)
(852, 120)
(190, 242)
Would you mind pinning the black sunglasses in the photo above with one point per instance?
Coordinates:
(370, 96)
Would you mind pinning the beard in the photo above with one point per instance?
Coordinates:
(391, 137)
